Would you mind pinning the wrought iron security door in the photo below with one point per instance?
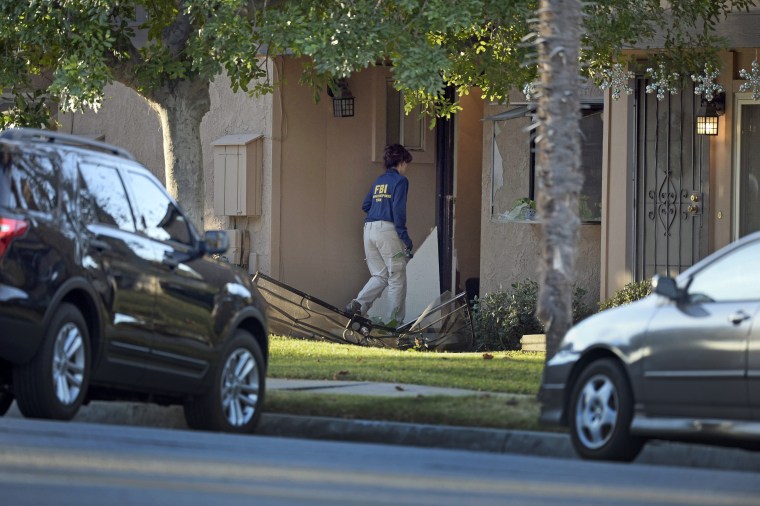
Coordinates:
(672, 174)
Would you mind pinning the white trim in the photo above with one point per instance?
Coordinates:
(740, 99)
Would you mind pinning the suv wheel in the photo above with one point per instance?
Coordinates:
(6, 399)
(233, 403)
(54, 383)
(601, 409)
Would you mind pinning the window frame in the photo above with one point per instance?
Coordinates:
(142, 228)
(522, 110)
(98, 166)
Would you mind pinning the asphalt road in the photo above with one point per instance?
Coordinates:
(532, 443)
(76, 463)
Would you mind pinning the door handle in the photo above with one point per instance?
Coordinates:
(738, 317)
(171, 259)
(100, 245)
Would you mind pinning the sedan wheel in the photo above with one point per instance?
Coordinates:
(600, 414)
(54, 383)
(233, 402)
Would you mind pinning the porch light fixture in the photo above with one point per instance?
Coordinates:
(343, 100)
(707, 118)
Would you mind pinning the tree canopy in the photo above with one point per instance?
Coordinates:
(64, 52)
(67, 51)
(489, 44)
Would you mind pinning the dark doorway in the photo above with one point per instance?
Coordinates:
(444, 218)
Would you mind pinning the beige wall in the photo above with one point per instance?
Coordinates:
(617, 204)
(469, 160)
(510, 250)
(721, 217)
(237, 113)
(326, 170)
(126, 120)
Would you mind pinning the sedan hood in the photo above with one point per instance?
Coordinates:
(613, 328)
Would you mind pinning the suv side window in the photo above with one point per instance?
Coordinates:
(103, 197)
(159, 216)
(32, 182)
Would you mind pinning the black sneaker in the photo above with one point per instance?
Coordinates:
(354, 308)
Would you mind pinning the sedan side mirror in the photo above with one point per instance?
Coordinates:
(216, 242)
(665, 286)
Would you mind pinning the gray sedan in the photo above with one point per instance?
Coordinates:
(683, 363)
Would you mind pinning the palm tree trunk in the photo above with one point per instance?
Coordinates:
(558, 160)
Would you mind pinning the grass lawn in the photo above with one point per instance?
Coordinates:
(509, 382)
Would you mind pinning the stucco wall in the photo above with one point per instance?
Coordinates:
(510, 249)
(237, 113)
(126, 120)
(469, 157)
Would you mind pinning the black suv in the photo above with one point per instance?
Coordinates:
(107, 292)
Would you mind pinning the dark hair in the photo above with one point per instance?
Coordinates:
(395, 154)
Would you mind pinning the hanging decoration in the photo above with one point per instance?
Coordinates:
(753, 80)
(529, 90)
(616, 79)
(707, 87)
(662, 82)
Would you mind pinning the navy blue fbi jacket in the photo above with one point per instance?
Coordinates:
(386, 201)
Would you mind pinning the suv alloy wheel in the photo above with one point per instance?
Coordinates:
(54, 383)
(234, 401)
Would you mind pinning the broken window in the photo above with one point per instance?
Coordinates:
(514, 182)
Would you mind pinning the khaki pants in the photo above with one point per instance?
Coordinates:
(384, 253)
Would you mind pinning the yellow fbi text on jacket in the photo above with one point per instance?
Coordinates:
(381, 192)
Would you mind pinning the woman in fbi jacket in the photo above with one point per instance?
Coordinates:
(387, 245)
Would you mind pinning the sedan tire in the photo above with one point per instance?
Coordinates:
(600, 413)
(234, 401)
(53, 385)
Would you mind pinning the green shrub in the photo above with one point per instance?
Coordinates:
(501, 318)
(629, 293)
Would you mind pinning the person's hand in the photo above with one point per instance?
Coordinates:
(408, 253)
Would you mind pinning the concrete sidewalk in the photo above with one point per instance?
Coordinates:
(439, 436)
(369, 388)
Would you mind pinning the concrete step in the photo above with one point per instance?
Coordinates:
(533, 342)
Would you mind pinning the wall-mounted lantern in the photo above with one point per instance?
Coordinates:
(707, 118)
(343, 100)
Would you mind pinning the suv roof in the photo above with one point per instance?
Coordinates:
(50, 137)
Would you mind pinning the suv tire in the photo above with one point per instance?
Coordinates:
(236, 397)
(53, 385)
(6, 399)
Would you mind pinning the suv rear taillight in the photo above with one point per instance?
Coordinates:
(9, 230)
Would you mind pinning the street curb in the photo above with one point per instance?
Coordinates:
(433, 436)
(535, 444)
